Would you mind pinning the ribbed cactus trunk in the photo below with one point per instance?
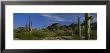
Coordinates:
(30, 25)
(87, 25)
(79, 27)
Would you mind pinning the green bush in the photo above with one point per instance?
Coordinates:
(47, 34)
(94, 34)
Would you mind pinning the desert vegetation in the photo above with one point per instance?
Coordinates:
(75, 31)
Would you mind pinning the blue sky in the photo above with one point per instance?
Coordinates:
(42, 20)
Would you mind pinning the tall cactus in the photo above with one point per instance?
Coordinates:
(79, 27)
(30, 24)
(87, 25)
(26, 25)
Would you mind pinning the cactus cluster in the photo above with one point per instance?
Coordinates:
(29, 25)
(87, 25)
(88, 19)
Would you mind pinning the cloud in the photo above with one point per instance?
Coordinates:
(66, 17)
(56, 17)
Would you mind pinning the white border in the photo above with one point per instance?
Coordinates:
(100, 43)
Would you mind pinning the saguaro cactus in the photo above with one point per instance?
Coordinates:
(26, 25)
(30, 25)
(87, 25)
(79, 27)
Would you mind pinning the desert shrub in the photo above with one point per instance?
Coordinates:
(39, 34)
(59, 32)
(76, 37)
(93, 34)
(23, 36)
(64, 33)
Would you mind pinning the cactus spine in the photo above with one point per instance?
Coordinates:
(79, 27)
(87, 25)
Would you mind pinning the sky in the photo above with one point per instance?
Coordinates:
(42, 20)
